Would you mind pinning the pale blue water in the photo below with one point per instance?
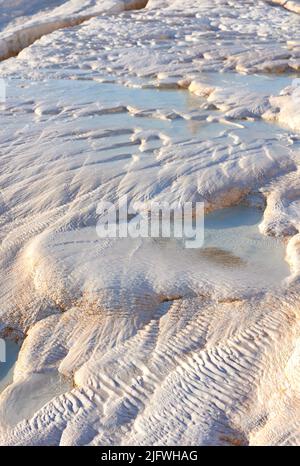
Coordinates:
(76, 95)
(236, 230)
(259, 83)
(7, 367)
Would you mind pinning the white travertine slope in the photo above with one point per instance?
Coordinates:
(218, 36)
(144, 342)
(19, 36)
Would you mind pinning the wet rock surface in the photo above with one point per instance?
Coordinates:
(142, 341)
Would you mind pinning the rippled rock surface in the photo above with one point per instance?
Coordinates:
(142, 341)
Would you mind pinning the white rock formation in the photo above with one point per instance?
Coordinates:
(141, 341)
(42, 21)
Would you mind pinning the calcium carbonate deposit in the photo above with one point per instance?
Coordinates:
(121, 341)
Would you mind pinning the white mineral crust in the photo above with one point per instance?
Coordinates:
(141, 341)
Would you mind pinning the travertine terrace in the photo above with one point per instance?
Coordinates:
(140, 341)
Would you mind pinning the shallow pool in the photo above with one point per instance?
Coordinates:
(7, 367)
